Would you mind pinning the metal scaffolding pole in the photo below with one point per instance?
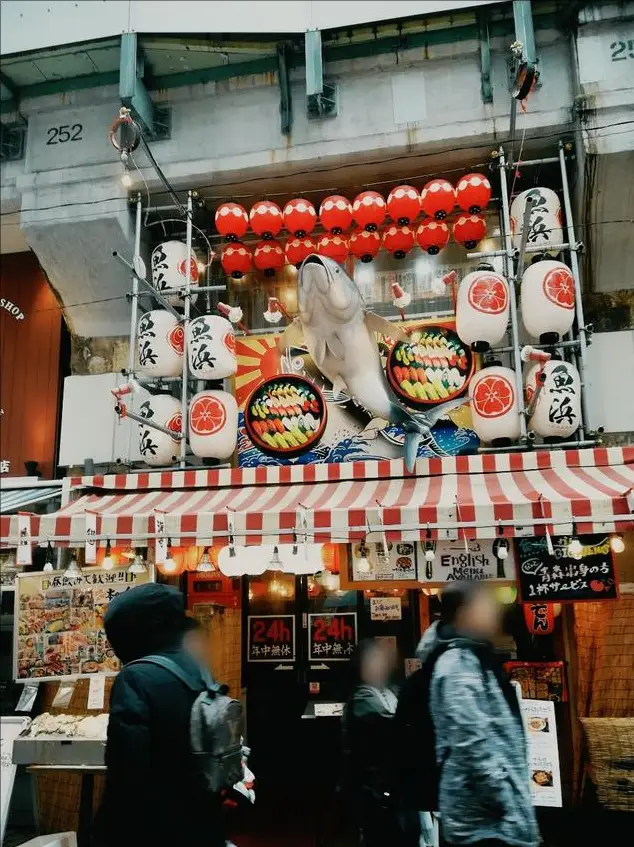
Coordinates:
(134, 296)
(186, 314)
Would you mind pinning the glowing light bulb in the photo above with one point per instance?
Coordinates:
(575, 547)
(108, 561)
(617, 544)
(430, 554)
(126, 179)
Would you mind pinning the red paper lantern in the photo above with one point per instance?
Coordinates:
(438, 199)
(365, 245)
(398, 241)
(473, 193)
(268, 256)
(300, 217)
(403, 204)
(369, 210)
(469, 229)
(236, 260)
(232, 221)
(297, 249)
(266, 219)
(335, 213)
(540, 618)
(333, 246)
(432, 236)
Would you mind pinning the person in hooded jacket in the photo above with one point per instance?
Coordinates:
(151, 794)
(484, 793)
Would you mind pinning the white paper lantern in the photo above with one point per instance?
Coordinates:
(548, 300)
(482, 309)
(494, 405)
(545, 220)
(545, 201)
(557, 411)
(160, 344)
(211, 347)
(241, 560)
(213, 424)
(169, 269)
(156, 447)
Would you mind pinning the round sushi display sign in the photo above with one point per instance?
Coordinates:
(285, 416)
(431, 367)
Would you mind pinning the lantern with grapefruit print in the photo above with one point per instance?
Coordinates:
(548, 300)
(482, 308)
(494, 405)
(213, 424)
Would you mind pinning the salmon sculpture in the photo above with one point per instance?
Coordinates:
(339, 333)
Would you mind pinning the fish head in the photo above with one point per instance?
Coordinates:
(326, 290)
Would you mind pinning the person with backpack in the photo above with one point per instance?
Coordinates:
(367, 743)
(174, 737)
(462, 717)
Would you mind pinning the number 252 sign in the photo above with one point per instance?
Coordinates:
(332, 638)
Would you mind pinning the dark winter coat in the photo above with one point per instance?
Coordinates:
(151, 796)
(368, 740)
(484, 788)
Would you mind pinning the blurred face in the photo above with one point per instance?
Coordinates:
(482, 616)
(196, 644)
(376, 667)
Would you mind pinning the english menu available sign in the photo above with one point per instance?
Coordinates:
(561, 577)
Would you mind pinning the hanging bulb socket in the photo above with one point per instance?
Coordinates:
(108, 561)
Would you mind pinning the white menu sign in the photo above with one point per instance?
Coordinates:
(385, 609)
(455, 561)
(398, 564)
(543, 752)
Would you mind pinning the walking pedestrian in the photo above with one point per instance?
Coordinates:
(484, 797)
(152, 795)
(368, 741)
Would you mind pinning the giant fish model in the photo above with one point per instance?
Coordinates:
(339, 333)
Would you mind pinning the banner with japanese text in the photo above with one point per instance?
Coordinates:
(59, 628)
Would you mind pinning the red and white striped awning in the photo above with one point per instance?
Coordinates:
(476, 496)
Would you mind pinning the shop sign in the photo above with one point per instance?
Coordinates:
(59, 629)
(385, 609)
(271, 638)
(332, 638)
(455, 560)
(539, 680)
(560, 577)
(543, 752)
(15, 311)
(398, 565)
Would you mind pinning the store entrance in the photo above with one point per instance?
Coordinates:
(299, 634)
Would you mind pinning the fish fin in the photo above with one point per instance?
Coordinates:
(373, 428)
(437, 412)
(375, 323)
(293, 336)
(412, 441)
(335, 345)
(319, 353)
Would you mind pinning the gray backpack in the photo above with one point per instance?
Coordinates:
(215, 728)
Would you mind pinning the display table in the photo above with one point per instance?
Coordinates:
(87, 773)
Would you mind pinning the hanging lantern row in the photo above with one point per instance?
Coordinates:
(431, 236)
(368, 210)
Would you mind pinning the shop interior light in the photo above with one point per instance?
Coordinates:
(73, 568)
(501, 548)
(129, 554)
(170, 565)
(506, 594)
(202, 267)
(330, 581)
(138, 565)
(48, 564)
(275, 563)
(126, 178)
(363, 563)
(617, 544)
(204, 565)
(108, 561)
(575, 547)
(430, 547)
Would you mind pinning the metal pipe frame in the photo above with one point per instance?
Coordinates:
(135, 285)
(138, 419)
(510, 276)
(186, 316)
(532, 445)
(533, 163)
(526, 227)
(558, 344)
(530, 248)
(196, 289)
(149, 290)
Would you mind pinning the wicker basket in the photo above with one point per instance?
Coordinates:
(611, 752)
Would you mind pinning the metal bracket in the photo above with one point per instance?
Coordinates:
(155, 121)
(321, 96)
(286, 111)
(485, 57)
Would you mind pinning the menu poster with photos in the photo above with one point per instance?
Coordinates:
(59, 630)
(455, 561)
(543, 752)
(399, 563)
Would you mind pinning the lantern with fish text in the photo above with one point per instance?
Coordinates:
(156, 447)
(432, 236)
(211, 347)
(213, 424)
(297, 249)
(268, 256)
(438, 199)
(482, 308)
(556, 410)
(548, 300)
(539, 618)
(300, 217)
(403, 204)
(469, 229)
(169, 269)
(160, 344)
(494, 405)
(369, 210)
(333, 246)
(232, 221)
(545, 229)
(398, 241)
(236, 260)
(473, 193)
(365, 245)
(266, 219)
(335, 213)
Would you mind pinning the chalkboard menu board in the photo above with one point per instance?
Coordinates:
(560, 577)
(332, 638)
(271, 638)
